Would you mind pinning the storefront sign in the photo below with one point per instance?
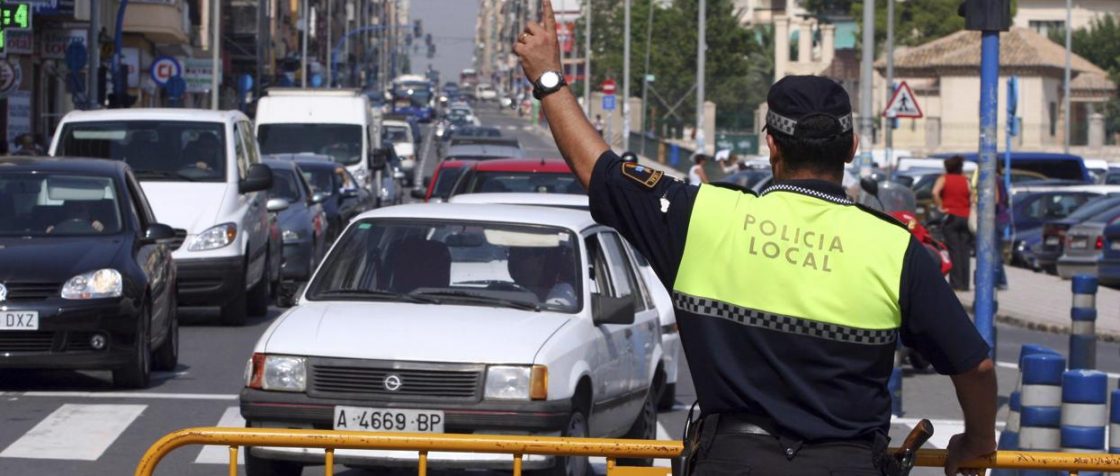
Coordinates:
(130, 57)
(55, 42)
(11, 75)
(163, 69)
(19, 115)
(18, 42)
(52, 7)
(197, 73)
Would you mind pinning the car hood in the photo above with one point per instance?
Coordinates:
(52, 260)
(413, 332)
(167, 199)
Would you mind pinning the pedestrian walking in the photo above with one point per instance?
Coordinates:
(696, 174)
(790, 303)
(953, 197)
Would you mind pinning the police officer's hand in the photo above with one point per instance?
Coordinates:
(537, 46)
(963, 447)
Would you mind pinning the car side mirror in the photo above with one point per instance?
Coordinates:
(157, 232)
(259, 178)
(378, 158)
(612, 310)
(318, 197)
(277, 205)
(419, 193)
(869, 185)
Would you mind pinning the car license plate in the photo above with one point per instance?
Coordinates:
(388, 419)
(1052, 241)
(19, 320)
(1079, 243)
(1115, 245)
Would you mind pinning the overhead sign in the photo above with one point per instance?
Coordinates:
(164, 68)
(608, 86)
(903, 104)
(608, 102)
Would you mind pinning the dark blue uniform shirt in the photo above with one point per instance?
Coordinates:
(753, 371)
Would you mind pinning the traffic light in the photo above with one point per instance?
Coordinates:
(986, 15)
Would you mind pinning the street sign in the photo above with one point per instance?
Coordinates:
(608, 102)
(608, 86)
(164, 68)
(903, 104)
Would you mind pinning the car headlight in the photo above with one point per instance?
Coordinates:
(215, 237)
(283, 373)
(516, 382)
(289, 235)
(103, 283)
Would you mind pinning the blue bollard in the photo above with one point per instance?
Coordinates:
(1082, 338)
(1084, 412)
(1009, 437)
(1041, 398)
(1114, 424)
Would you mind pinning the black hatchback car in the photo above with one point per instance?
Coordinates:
(86, 277)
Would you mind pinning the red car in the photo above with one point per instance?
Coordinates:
(443, 178)
(518, 176)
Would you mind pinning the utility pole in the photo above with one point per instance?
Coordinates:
(626, 80)
(587, 65)
(1065, 83)
(330, 45)
(303, 43)
(645, 78)
(866, 115)
(701, 46)
(93, 47)
(890, 85)
(215, 47)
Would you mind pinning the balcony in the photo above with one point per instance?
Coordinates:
(164, 22)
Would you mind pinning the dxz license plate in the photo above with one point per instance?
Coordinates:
(19, 320)
(386, 419)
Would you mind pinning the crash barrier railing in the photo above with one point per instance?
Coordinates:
(519, 446)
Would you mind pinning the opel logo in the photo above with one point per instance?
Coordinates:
(393, 383)
(3, 293)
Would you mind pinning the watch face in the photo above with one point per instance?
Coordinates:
(550, 79)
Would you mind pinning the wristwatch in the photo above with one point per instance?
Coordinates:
(548, 83)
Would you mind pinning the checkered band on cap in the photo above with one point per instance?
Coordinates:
(787, 126)
(787, 324)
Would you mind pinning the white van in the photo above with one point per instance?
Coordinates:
(202, 174)
(335, 122)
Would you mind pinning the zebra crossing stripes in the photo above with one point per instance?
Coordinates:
(211, 454)
(75, 432)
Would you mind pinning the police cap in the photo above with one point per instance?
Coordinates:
(796, 98)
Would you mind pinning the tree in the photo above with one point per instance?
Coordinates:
(1100, 44)
(916, 21)
(828, 7)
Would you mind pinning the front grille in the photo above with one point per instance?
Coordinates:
(20, 341)
(417, 381)
(180, 237)
(32, 291)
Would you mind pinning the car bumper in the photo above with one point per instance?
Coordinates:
(297, 261)
(1108, 271)
(210, 281)
(1068, 267)
(65, 329)
(1047, 258)
(297, 410)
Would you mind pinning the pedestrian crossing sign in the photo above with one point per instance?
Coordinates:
(903, 104)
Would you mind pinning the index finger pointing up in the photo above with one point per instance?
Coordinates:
(548, 17)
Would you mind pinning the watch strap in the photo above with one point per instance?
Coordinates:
(539, 92)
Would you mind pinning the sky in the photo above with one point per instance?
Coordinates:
(452, 25)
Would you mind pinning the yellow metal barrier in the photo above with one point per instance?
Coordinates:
(519, 446)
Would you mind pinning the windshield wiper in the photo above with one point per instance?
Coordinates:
(142, 174)
(380, 295)
(532, 306)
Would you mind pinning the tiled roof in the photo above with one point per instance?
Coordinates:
(1020, 48)
(1092, 82)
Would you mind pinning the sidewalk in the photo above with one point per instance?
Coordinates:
(1040, 301)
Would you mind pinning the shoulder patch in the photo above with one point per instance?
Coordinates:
(643, 175)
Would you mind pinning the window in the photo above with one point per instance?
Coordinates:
(50, 204)
(156, 150)
(143, 209)
(1048, 27)
(250, 143)
(240, 152)
(621, 278)
(343, 142)
(1056, 206)
(643, 300)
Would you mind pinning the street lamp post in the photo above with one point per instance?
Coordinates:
(587, 65)
(303, 43)
(866, 116)
(700, 50)
(215, 47)
(626, 80)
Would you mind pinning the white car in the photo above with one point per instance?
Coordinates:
(448, 318)
(399, 133)
(202, 174)
(670, 337)
(486, 92)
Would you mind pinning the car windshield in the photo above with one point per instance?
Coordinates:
(395, 134)
(1094, 207)
(320, 178)
(342, 142)
(453, 262)
(522, 182)
(156, 150)
(48, 204)
(284, 185)
(478, 132)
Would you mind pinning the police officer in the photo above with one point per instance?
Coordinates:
(789, 303)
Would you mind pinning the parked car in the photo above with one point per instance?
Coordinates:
(670, 337)
(87, 280)
(342, 198)
(746, 178)
(438, 187)
(303, 223)
(518, 176)
(1055, 166)
(1029, 210)
(209, 160)
(1054, 231)
(1108, 271)
(1085, 244)
(466, 319)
